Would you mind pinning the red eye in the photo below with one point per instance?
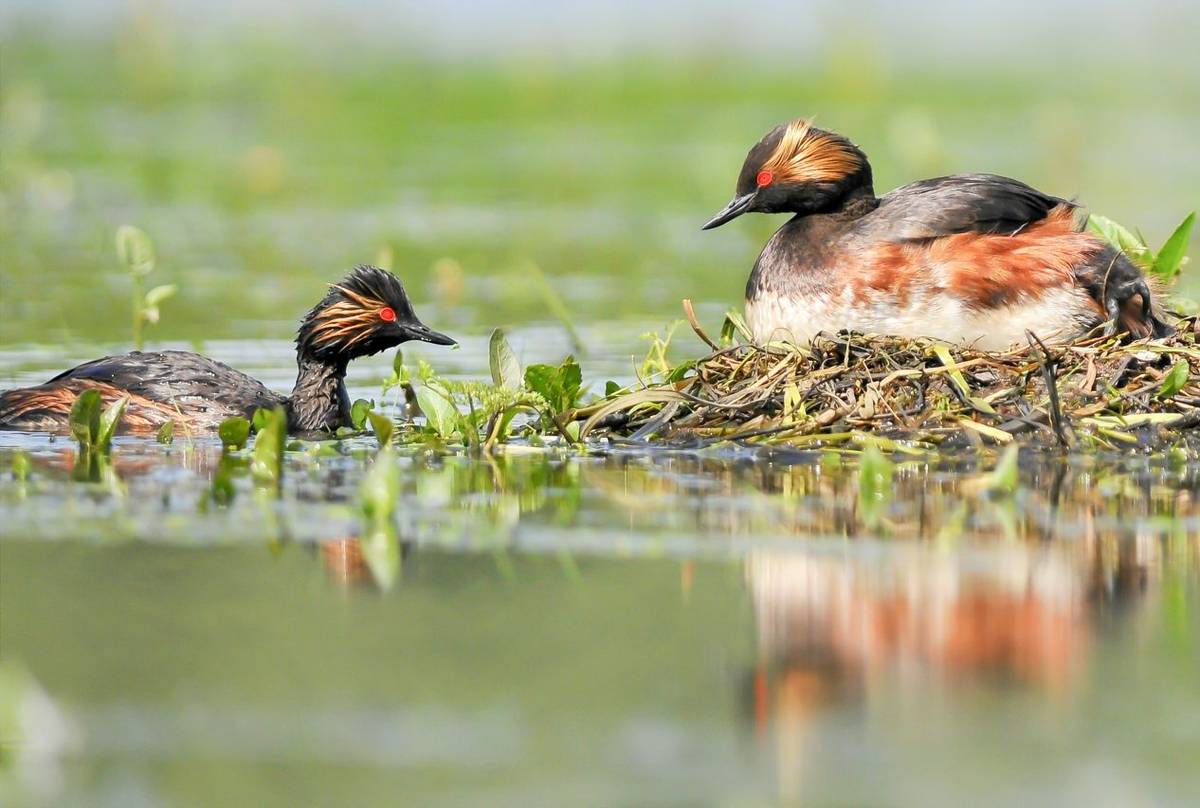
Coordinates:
(387, 314)
(764, 178)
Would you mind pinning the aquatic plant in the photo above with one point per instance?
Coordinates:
(266, 461)
(382, 426)
(136, 253)
(377, 497)
(234, 432)
(92, 428)
(1166, 264)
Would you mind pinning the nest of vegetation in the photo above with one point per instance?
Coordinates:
(1097, 391)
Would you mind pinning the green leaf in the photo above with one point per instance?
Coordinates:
(440, 413)
(611, 388)
(260, 418)
(108, 423)
(380, 489)
(544, 380)
(680, 370)
(84, 418)
(223, 489)
(733, 326)
(1175, 380)
(1169, 261)
(1122, 239)
(166, 433)
(960, 381)
(506, 370)
(160, 293)
(358, 412)
(267, 459)
(874, 475)
(382, 426)
(572, 381)
(874, 485)
(21, 466)
(377, 496)
(135, 249)
(1003, 479)
(235, 431)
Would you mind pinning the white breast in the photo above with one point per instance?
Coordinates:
(1053, 316)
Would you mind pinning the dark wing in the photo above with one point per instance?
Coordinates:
(187, 380)
(964, 203)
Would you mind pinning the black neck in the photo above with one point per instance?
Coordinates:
(858, 201)
(319, 400)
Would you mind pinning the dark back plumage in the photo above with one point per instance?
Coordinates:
(964, 203)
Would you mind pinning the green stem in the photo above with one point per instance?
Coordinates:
(137, 312)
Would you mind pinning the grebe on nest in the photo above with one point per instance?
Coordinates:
(973, 258)
(366, 313)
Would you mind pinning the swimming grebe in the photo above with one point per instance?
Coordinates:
(366, 313)
(973, 258)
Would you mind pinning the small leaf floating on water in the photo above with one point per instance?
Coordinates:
(234, 432)
(358, 412)
(166, 433)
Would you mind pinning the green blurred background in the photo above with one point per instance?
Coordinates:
(267, 147)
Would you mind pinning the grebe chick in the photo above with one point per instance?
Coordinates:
(364, 314)
(977, 259)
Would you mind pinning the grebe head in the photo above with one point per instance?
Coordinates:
(367, 312)
(797, 168)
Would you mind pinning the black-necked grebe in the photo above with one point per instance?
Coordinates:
(974, 258)
(364, 314)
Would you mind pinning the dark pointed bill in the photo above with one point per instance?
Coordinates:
(424, 333)
(733, 210)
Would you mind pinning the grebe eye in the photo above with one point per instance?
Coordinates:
(387, 314)
(764, 178)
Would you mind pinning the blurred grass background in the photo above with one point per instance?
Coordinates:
(267, 148)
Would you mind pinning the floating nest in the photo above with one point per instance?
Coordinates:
(1093, 392)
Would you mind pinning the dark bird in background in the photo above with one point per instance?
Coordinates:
(973, 258)
(367, 312)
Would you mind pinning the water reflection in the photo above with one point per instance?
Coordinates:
(704, 502)
(837, 630)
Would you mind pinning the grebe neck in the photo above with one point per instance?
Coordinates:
(319, 400)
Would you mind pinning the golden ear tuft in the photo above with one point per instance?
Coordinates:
(805, 154)
(346, 322)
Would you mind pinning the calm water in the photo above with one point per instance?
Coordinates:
(621, 626)
(617, 627)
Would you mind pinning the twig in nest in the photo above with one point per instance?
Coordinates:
(1049, 377)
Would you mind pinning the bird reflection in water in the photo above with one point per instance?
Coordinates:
(835, 630)
(351, 564)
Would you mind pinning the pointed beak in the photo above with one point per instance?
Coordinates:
(734, 209)
(422, 332)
